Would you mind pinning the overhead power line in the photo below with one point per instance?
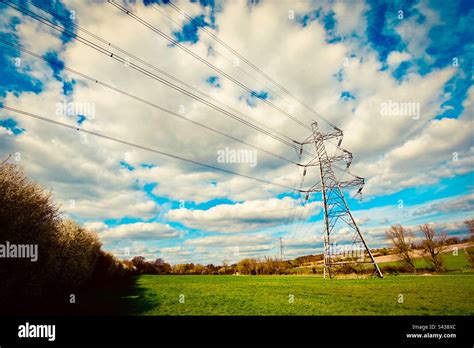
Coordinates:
(253, 66)
(122, 60)
(142, 147)
(153, 76)
(204, 61)
(143, 100)
(131, 55)
(289, 142)
(272, 91)
(125, 61)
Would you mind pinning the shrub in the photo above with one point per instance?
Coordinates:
(395, 269)
(347, 269)
(470, 256)
(108, 268)
(67, 253)
(27, 216)
(77, 255)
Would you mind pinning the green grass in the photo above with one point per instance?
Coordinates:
(269, 295)
(450, 293)
(453, 263)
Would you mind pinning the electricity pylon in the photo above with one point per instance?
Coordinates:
(281, 249)
(338, 220)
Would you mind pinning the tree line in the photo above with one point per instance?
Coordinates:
(431, 247)
(69, 256)
(248, 266)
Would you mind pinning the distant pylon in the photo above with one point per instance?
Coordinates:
(338, 220)
(281, 249)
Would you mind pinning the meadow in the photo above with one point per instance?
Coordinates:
(450, 293)
(287, 295)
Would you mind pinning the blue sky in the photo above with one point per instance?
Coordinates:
(344, 59)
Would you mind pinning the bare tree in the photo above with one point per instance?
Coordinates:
(433, 245)
(470, 226)
(469, 252)
(401, 240)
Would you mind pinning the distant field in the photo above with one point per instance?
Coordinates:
(271, 295)
(453, 263)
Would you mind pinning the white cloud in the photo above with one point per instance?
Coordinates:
(442, 149)
(395, 58)
(242, 217)
(457, 204)
(114, 205)
(233, 240)
(116, 114)
(350, 17)
(96, 226)
(140, 231)
(392, 153)
(415, 33)
(136, 248)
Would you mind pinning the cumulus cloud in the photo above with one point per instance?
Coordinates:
(114, 205)
(229, 240)
(458, 204)
(178, 181)
(350, 17)
(395, 58)
(137, 231)
(393, 153)
(241, 217)
(135, 248)
(424, 159)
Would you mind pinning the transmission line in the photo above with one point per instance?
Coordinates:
(130, 55)
(155, 77)
(140, 69)
(253, 66)
(144, 101)
(291, 142)
(142, 147)
(271, 90)
(204, 61)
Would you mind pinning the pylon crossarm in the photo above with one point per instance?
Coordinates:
(338, 134)
(355, 182)
(331, 159)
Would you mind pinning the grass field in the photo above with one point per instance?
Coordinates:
(452, 262)
(271, 295)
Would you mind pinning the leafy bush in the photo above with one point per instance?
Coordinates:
(77, 255)
(470, 256)
(348, 268)
(108, 268)
(68, 255)
(395, 269)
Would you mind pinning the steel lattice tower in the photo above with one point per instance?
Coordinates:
(338, 219)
